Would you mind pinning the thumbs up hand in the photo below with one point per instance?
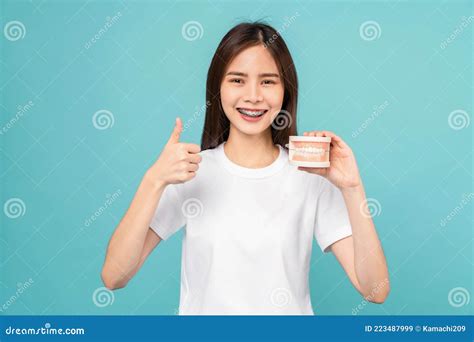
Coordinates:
(178, 161)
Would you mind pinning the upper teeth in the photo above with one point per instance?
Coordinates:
(251, 113)
(310, 150)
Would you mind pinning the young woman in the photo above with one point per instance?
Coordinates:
(249, 216)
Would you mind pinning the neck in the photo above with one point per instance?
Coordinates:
(251, 151)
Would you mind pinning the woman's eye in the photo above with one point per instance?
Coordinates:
(266, 82)
(236, 80)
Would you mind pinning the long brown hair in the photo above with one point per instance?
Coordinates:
(245, 35)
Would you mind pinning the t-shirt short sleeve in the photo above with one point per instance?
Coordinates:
(168, 217)
(332, 219)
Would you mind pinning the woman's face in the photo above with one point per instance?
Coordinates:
(252, 90)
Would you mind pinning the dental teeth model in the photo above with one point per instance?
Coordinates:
(309, 151)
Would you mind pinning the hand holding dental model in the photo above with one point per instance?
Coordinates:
(178, 161)
(342, 170)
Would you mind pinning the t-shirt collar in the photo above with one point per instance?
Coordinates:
(241, 171)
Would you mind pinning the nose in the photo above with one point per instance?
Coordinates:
(253, 95)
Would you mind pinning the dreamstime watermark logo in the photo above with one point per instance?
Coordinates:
(192, 30)
(196, 115)
(109, 22)
(103, 119)
(377, 110)
(21, 287)
(375, 290)
(457, 209)
(280, 297)
(287, 22)
(103, 297)
(14, 30)
(281, 119)
(192, 208)
(458, 296)
(14, 208)
(46, 330)
(21, 110)
(110, 199)
(370, 207)
(370, 30)
(458, 119)
(457, 31)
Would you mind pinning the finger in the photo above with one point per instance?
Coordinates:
(186, 176)
(190, 175)
(192, 167)
(194, 158)
(175, 135)
(192, 148)
(332, 135)
(335, 139)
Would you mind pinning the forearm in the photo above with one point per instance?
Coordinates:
(370, 264)
(126, 245)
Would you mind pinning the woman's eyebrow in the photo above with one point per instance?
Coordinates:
(238, 73)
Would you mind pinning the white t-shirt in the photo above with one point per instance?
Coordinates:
(248, 235)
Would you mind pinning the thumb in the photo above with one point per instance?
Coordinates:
(178, 127)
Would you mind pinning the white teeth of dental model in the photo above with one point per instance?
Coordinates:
(309, 150)
(251, 113)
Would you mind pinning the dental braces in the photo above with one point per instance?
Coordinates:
(251, 114)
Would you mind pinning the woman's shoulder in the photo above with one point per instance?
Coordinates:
(209, 155)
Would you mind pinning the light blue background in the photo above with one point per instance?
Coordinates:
(142, 70)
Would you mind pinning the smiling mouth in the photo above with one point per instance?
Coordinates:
(253, 113)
